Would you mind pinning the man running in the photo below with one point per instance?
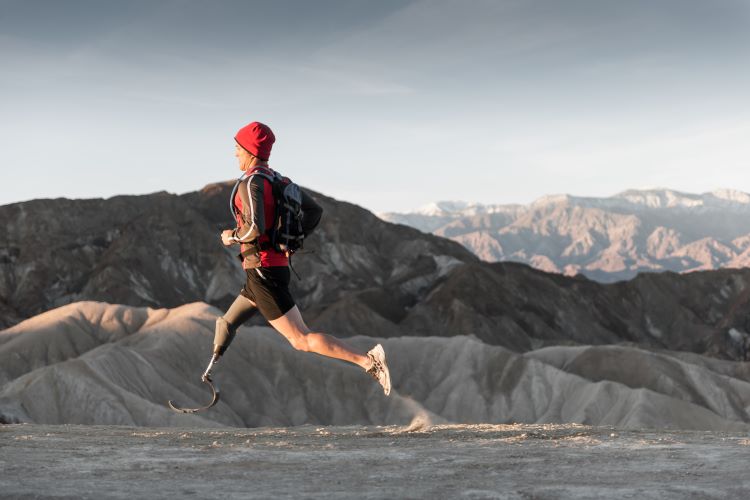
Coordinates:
(267, 269)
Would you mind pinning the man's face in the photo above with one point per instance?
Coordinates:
(243, 157)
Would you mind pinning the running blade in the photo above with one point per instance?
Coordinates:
(214, 400)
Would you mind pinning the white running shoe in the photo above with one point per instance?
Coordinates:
(379, 368)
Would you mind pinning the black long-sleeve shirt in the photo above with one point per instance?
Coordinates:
(255, 205)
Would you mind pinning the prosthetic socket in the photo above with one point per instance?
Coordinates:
(226, 326)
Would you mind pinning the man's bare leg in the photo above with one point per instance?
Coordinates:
(293, 327)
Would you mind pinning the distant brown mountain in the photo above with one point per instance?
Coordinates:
(363, 276)
(605, 239)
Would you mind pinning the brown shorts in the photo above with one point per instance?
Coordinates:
(268, 287)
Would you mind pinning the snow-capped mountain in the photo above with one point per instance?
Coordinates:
(606, 239)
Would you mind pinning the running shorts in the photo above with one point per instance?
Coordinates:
(268, 288)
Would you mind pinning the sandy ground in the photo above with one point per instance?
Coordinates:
(448, 461)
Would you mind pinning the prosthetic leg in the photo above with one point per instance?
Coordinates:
(241, 310)
(226, 327)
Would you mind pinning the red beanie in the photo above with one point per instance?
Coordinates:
(257, 139)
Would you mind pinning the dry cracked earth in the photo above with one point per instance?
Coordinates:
(416, 461)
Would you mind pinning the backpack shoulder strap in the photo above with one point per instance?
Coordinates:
(259, 171)
(263, 172)
(273, 177)
(234, 192)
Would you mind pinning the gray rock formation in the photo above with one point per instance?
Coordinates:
(94, 363)
(606, 239)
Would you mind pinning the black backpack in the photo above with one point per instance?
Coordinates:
(286, 234)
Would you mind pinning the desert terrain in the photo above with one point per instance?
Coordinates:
(416, 461)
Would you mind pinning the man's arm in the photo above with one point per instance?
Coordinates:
(253, 210)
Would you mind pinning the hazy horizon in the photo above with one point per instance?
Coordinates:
(432, 202)
(389, 105)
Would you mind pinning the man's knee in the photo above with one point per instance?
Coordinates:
(300, 342)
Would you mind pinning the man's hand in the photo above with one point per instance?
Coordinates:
(226, 237)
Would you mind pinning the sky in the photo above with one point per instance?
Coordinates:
(386, 104)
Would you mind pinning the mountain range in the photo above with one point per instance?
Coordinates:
(469, 340)
(360, 275)
(606, 239)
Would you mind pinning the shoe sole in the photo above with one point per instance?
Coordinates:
(380, 353)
